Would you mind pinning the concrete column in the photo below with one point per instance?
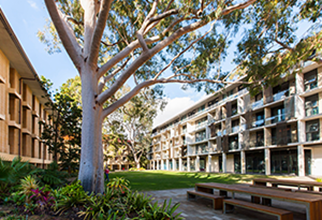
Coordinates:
(188, 164)
(167, 164)
(267, 161)
(162, 165)
(153, 165)
(224, 168)
(208, 164)
(301, 160)
(243, 162)
(180, 164)
(174, 164)
(197, 163)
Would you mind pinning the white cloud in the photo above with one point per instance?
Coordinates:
(174, 106)
(32, 4)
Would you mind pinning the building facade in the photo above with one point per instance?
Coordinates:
(277, 131)
(22, 101)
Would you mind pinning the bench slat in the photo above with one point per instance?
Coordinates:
(261, 208)
(216, 200)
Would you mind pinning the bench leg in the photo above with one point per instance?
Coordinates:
(190, 196)
(266, 201)
(256, 199)
(218, 203)
(227, 207)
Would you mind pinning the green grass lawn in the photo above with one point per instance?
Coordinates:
(161, 180)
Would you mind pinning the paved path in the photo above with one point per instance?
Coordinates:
(202, 208)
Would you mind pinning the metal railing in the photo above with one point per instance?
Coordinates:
(280, 95)
(258, 104)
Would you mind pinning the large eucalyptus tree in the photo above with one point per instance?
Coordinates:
(112, 42)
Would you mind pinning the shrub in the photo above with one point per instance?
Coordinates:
(137, 169)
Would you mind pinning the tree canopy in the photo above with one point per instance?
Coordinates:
(156, 42)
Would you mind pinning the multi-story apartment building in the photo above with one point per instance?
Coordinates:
(22, 102)
(277, 131)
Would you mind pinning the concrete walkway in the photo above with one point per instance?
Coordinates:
(202, 208)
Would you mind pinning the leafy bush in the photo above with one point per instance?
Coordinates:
(137, 169)
(52, 176)
(156, 212)
(27, 185)
(70, 196)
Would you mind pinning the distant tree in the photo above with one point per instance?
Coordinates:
(63, 134)
(113, 42)
(131, 124)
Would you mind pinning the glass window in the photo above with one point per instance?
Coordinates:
(311, 105)
(259, 138)
(234, 109)
(237, 167)
(312, 130)
(278, 114)
(310, 80)
(233, 142)
(255, 162)
(284, 161)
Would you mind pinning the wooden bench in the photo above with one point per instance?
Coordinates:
(216, 200)
(269, 187)
(307, 191)
(280, 213)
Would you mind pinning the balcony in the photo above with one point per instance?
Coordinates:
(311, 111)
(258, 104)
(275, 119)
(235, 129)
(201, 125)
(312, 136)
(233, 145)
(258, 123)
(280, 95)
(257, 143)
(203, 150)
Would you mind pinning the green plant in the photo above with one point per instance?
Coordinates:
(319, 180)
(52, 176)
(135, 201)
(27, 185)
(156, 212)
(70, 196)
(42, 198)
(17, 198)
(119, 184)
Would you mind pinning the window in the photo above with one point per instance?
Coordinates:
(311, 105)
(235, 125)
(313, 130)
(278, 114)
(234, 109)
(200, 136)
(280, 91)
(258, 97)
(237, 167)
(255, 162)
(259, 119)
(233, 142)
(310, 80)
(259, 138)
(284, 161)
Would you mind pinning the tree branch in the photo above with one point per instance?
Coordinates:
(146, 56)
(67, 38)
(99, 30)
(109, 77)
(89, 24)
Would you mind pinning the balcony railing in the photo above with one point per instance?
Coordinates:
(275, 119)
(312, 136)
(201, 125)
(235, 129)
(280, 95)
(258, 123)
(258, 143)
(258, 104)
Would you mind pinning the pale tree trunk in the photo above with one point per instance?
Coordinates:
(91, 163)
(137, 164)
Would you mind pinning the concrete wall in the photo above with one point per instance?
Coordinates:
(230, 163)
(316, 161)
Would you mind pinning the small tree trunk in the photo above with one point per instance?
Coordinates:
(137, 163)
(91, 163)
